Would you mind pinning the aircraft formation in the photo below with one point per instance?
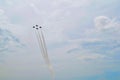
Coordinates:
(43, 48)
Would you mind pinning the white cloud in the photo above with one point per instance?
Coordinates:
(1, 12)
(101, 22)
(9, 40)
(3, 17)
(91, 56)
(103, 41)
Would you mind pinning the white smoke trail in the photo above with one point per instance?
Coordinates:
(43, 48)
(47, 58)
(43, 43)
(39, 43)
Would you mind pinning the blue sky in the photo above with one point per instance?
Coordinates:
(82, 38)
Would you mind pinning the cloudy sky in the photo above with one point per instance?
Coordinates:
(82, 38)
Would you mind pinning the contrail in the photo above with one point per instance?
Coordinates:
(39, 43)
(47, 58)
(43, 48)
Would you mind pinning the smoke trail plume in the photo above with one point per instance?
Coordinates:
(42, 45)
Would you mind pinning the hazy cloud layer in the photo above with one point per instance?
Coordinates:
(102, 41)
(81, 43)
(8, 40)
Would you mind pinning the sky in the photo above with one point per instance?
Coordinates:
(82, 39)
